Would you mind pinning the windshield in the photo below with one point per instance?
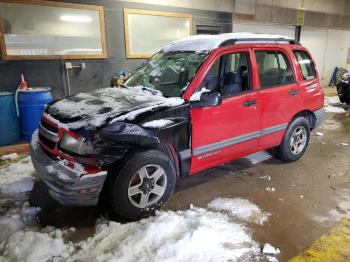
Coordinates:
(168, 73)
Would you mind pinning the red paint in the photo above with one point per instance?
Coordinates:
(230, 119)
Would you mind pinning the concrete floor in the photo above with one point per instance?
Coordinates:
(311, 195)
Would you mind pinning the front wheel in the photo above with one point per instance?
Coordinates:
(144, 183)
(295, 141)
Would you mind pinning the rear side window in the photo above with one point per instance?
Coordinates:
(306, 66)
(274, 68)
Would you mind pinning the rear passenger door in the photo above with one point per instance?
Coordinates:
(279, 94)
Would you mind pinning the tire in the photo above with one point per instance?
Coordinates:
(148, 175)
(285, 151)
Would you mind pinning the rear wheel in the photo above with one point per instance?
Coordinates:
(144, 183)
(295, 141)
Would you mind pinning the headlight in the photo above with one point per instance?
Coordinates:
(79, 146)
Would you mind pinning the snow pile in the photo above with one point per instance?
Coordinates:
(158, 123)
(94, 108)
(16, 177)
(333, 105)
(258, 157)
(215, 233)
(11, 156)
(37, 246)
(268, 249)
(241, 209)
(201, 43)
(16, 218)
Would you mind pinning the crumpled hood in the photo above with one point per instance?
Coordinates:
(95, 108)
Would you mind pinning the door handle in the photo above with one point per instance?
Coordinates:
(249, 102)
(293, 92)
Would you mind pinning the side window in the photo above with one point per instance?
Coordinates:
(274, 68)
(229, 75)
(306, 65)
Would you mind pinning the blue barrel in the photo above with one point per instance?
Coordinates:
(9, 123)
(31, 103)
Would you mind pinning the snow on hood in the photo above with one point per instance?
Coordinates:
(201, 43)
(95, 108)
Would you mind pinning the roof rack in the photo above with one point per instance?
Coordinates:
(258, 40)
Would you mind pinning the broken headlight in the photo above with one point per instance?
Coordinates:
(80, 146)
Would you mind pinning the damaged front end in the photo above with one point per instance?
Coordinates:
(74, 163)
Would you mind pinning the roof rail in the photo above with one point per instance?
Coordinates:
(259, 40)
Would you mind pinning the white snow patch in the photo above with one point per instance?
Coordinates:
(16, 177)
(269, 249)
(319, 134)
(158, 123)
(98, 106)
(266, 177)
(37, 246)
(11, 156)
(16, 218)
(333, 105)
(258, 157)
(241, 209)
(344, 144)
(196, 96)
(201, 43)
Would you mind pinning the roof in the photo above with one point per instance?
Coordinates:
(201, 43)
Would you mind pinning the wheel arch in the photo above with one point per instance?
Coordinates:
(309, 115)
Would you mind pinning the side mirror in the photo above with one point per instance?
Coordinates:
(208, 99)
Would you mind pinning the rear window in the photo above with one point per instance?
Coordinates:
(274, 69)
(306, 65)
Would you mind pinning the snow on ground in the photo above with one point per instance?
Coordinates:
(16, 177)
(258, 157)
(217, 232)
(333, 105)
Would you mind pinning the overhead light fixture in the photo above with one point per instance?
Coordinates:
(76, 18)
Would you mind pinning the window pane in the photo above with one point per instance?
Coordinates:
(46, 30)
(148, 33)
(228, 75)
(306, 65)
(274, 68)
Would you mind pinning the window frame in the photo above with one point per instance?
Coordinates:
(128, 11)
(250, 72)
(312, 64)
(285, 55)
(100, 9)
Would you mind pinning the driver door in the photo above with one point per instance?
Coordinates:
(229, 130)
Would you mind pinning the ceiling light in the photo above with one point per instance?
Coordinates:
(76, 18)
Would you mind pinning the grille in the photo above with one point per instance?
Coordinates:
(49, 127)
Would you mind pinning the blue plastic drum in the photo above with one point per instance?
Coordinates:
(9, 123)
(31, 103)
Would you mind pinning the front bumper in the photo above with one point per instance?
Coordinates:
(67, 186)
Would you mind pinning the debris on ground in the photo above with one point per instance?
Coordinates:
(344, 144)
(269, 249)
(11, 156)
(266, 177)
(270, 189)
(301, 196)
(319, 133)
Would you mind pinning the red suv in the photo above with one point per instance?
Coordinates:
(198, 103)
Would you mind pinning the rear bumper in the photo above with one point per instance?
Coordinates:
(319, 116)
(66, 186)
